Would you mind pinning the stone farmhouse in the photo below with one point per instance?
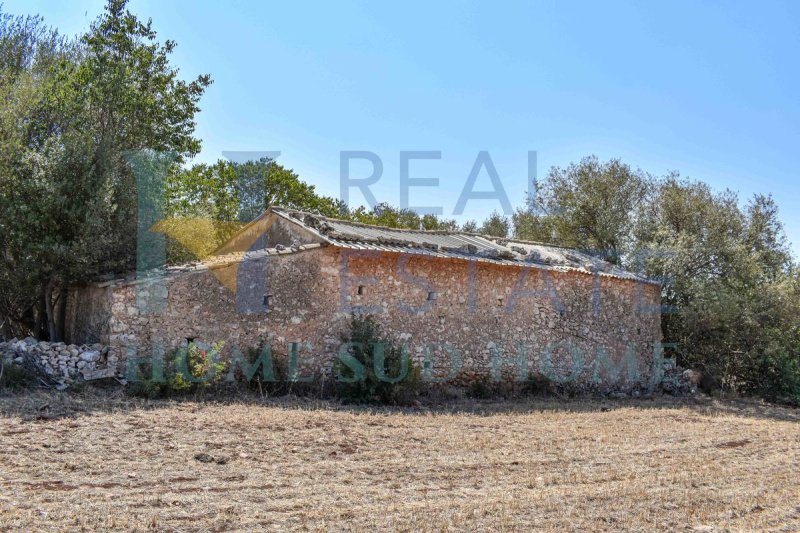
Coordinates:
(467, 306)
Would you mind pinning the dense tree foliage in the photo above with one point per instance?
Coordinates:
(590, 205)
(28, 52)
(388, 216)
(730, 285)
(496, 225)
(205, 205)
(72, 112)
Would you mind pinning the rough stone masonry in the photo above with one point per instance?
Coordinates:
(468, 307)
(61, 363)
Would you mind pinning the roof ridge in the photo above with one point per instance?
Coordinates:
(376, 226)
(339, 232)
(406, 230)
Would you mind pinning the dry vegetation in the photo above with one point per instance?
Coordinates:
(81, 462)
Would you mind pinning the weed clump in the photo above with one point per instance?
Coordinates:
(373, 368)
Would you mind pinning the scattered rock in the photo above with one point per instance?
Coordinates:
(66, 363)
(102, 373)
(677, 381)
(692, 376)
(89, 357)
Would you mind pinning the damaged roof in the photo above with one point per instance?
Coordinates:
(453, 245)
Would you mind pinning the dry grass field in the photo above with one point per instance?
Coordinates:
(79, 462)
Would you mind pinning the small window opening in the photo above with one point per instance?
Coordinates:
(432, 296)
(638, 331)
(500, 301)
(189, 340)
(268, 299)
(360, 290)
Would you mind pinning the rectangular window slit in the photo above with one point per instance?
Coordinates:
(432, 296)
(360, 290)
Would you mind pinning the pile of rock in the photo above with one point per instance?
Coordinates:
(62, 363)
(677, 381)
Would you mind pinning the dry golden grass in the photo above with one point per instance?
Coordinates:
(88, 463)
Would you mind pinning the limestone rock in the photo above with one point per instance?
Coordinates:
(692, 376)
(89, 375)
(90, 357)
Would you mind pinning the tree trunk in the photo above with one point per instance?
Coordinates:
(49, 311)
(38, 311)
(61, 313)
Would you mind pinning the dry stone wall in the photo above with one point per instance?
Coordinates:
(60, 363)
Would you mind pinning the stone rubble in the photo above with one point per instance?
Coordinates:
(64, 364)
(678, 382)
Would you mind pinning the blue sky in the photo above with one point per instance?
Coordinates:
(711, 89)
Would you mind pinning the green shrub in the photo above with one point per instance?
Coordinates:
(270, 381)
(14, 377)
(781, 380)
(190, 368)
(194, 368)
(355, 369)
(147, 388)
(484, 389)
(536, 385)
(539, 385)
(145, 385)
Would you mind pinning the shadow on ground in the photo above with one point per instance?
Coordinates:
(41, 405)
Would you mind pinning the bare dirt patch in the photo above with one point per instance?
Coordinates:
(88, 462)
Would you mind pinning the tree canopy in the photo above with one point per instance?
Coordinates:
(591, 205)
(729, 282)
(72, 111)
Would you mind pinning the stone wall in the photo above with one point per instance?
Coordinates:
(87, 314)
(61, 364)
(570, 326)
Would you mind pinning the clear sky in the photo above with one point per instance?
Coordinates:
(709, 89)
